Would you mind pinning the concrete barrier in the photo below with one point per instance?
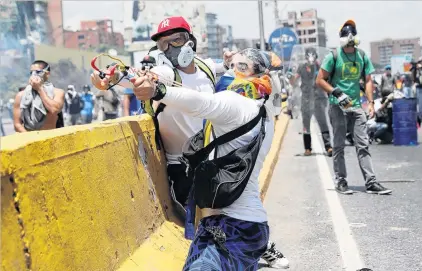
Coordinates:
(92, 197)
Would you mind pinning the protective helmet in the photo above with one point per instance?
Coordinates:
(387, 67)
(86, 87)
(174, 24)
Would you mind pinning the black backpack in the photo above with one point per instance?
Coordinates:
(219, 182)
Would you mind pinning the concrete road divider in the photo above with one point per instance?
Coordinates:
(93, 197)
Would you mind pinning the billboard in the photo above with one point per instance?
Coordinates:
(282, 41)
(401, 64)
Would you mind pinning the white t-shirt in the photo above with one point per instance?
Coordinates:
(227, 111)
(176, 127)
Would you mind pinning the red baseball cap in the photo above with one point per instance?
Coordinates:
(172, 23)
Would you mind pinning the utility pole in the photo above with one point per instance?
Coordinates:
(276, 14)
(261, 24)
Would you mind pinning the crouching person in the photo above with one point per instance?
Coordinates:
(224, 160)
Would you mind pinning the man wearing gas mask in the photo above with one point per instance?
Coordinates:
(175, 41)
(314, 101)
(39, 106)
(339, 76)
(239, 92)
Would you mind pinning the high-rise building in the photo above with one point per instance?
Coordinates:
(213, 36)
(382, 51)
(227, 36)
(309, 27)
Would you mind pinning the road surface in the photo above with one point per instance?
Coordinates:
(319, 230)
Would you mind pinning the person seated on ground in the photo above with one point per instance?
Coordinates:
(39, 105)
(378, 126)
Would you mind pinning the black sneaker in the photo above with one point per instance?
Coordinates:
(343, 188)
(377, 188)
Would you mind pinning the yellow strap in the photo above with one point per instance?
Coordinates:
(204, 67)
(207, 133)
(177, 77)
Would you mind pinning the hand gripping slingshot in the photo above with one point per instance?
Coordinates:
(119, 73)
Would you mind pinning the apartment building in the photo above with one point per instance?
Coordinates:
(382, 51)
(309, 27)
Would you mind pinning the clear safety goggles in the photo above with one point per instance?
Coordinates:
(176, 40)
(37, 73)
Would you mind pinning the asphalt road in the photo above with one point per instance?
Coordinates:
(8, 126)
(319, 230)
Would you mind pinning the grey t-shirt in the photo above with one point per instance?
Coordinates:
(110, 101)
(308, 75)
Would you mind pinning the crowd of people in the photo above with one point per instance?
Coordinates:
(206, 127)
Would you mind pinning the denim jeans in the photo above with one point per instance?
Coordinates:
(340, 120)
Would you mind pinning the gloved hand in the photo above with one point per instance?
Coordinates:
(344, 101)
(390, 97)
(289, 75)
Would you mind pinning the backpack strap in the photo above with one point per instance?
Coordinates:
(362, 54)
(204, 67)
(178, 79)
(333, 71)
(237, 132)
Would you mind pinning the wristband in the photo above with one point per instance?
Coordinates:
(160, 92)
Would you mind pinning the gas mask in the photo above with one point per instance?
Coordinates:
(311, 57)
(349, 36)
(180, 56)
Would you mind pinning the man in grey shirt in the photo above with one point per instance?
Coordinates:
(109, 103)
(314, 101)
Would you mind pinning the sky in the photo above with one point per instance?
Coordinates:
(375, 20)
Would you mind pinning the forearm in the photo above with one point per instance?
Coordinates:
(324, 85)
(51, 105)
(126, 104)
(369, 90)
(19, 128)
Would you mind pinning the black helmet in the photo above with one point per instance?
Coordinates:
(86, 87)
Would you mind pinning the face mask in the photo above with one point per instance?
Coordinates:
(311, 59)
(180, 56)
(349, 41)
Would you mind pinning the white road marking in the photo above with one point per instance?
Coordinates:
(347, 245)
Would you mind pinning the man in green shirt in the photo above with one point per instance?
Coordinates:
(339, 76)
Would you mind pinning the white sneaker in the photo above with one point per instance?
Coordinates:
(275, 258)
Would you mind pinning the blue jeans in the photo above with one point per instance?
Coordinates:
(407, 91)
(377, 128)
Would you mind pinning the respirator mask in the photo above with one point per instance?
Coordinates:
(177, 48)
(349, 36)
(311, 57)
